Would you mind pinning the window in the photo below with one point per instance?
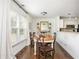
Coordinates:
(18, 28)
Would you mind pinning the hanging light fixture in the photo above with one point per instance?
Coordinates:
(44, 13)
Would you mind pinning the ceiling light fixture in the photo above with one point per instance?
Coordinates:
(43, 13)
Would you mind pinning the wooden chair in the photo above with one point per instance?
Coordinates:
(31, 39)
(45, 50)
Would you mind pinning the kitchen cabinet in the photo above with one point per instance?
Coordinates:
(61, 23)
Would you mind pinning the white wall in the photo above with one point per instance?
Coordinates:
(1, 13)
(4, 18)
(17, 47)
(53, 21)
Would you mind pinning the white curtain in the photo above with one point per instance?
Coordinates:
(5, 43)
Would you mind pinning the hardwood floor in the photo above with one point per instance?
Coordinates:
(28, 53)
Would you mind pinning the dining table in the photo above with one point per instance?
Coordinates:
(48, 39)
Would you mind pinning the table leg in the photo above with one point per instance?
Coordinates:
(34, 48)
(52, 45)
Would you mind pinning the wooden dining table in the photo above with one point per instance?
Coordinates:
(47, 40)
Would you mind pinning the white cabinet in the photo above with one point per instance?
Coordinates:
(69, 41)
(61, 23)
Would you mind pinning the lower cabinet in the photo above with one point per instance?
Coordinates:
(69, 41)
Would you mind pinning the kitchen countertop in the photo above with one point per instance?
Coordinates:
(68, 29)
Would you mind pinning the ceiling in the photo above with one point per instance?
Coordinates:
(52, 7)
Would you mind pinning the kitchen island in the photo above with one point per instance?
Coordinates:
(70, 42)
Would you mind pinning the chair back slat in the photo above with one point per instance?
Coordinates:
(54, 40)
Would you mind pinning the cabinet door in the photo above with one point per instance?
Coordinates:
(61, 24)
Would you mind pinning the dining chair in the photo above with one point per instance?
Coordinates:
(31, 39)
(45, 50)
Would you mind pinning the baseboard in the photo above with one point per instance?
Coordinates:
(20, 53)
(64, 51)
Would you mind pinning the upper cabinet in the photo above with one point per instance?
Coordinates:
(64, 21)
(68, 24)
(61, 24)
